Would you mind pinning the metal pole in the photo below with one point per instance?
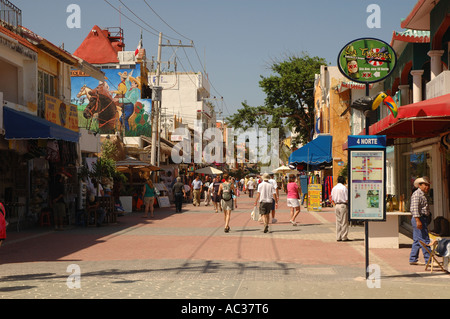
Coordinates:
(366, 224)
(155, 111)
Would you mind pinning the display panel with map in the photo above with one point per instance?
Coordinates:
(366, 184)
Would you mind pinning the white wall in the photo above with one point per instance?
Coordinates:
(183, 95)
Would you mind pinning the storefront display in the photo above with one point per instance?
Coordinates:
(39, 186)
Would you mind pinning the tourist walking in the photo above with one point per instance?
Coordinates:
(148, 193)
(251, 185)
(226, 190)
(275, 187)
(215, 193)
(206, 191)
(420, 210)
(265, 195)
(339, 197)
(179, 193)
(293, 198)
(197, 186)
(58, 203)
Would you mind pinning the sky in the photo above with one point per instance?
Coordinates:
(235, 41)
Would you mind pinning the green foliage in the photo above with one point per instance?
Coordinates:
(289, 99)
(105, 166)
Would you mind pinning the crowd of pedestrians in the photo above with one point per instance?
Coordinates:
(223, 191)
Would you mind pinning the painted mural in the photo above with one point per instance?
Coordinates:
(113, 105)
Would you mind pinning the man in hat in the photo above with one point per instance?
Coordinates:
(419, 210)
(132, 95)
(266, 194)
(122, 87)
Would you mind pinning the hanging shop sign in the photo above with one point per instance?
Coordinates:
(367, 60)
(57, 112)
(367, 177)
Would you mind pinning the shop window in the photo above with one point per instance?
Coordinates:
(420, 165)
(46, 85)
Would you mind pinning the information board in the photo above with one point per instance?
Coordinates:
(367, 178)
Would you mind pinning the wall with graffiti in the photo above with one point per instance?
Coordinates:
(114, 105)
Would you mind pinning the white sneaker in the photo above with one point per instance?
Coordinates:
(274, 220)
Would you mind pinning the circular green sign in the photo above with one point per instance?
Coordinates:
(367, 60)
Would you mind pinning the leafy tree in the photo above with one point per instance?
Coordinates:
(289, 99)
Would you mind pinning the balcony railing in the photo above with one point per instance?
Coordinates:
(439, 86)
(10, 15)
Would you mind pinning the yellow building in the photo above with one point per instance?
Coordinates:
(331, 102)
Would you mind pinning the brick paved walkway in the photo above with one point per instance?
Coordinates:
(188, 255)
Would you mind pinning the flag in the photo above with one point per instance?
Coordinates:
(140, 45)
(138, 48)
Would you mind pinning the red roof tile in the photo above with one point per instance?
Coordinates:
(17, 37)
(97, 48)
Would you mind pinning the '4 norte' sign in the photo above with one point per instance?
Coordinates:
(367, 60)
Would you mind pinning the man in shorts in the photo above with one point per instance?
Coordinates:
(275, 187)
(265, 196)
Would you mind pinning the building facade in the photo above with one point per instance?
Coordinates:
(419, 137)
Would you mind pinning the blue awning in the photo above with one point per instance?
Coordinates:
(20, 125)
(316, 152)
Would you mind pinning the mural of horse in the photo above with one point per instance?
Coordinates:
(84, 91)
(102, 104)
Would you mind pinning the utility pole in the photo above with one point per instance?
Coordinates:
(156, 105)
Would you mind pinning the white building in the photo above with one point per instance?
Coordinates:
(185, 96)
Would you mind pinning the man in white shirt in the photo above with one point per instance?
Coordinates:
(339, 197)
(265, 196)
(196, 190)
(275, 189)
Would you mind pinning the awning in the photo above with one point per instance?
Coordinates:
(20, 125)
(427, 118)
(131, 163)
(316, 152)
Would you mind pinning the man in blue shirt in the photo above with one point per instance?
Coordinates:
(419, 210)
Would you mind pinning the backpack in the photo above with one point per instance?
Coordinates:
(441, 226)
(226, 192)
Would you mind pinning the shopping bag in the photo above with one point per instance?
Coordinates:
(255, 213)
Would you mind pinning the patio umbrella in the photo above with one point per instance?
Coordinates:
(282, 170)
(209, 171)
(130, 163)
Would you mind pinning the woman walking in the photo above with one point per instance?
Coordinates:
(148, 193)
(293, 199)
(216, 196)
(226, 191)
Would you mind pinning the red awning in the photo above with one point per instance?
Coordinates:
(423, 119)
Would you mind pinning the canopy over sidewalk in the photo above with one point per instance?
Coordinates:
(315, 153)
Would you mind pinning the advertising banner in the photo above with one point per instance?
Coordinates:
(367, 60)
(56, 111)
(315, 197)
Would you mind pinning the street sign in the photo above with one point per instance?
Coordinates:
(367, 60)
(367, 177)
(365, 141)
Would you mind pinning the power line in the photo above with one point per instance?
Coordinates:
(143, 20)
(195, 49)
(165, 21)
(167, 37)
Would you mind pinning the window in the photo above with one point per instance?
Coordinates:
(46, 85)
